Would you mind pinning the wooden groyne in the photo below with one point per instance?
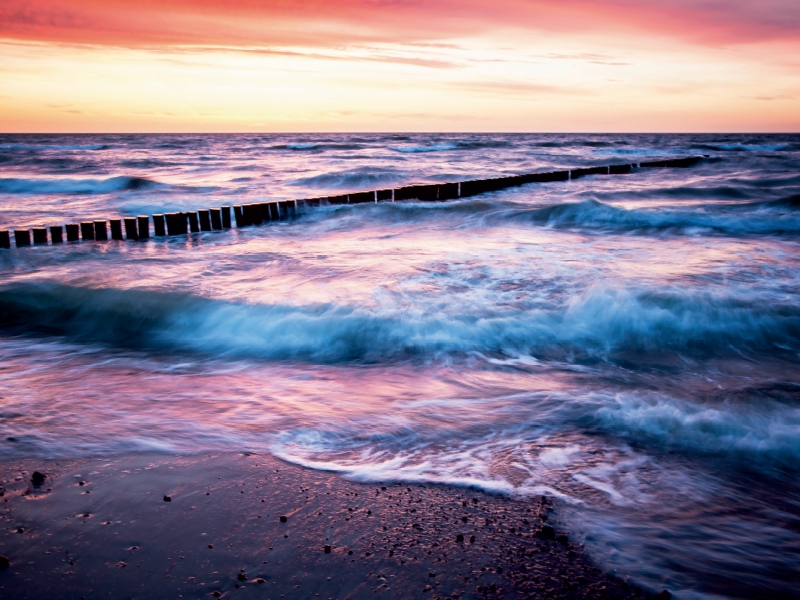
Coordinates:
(246, 215)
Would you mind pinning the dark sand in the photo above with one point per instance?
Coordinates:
(101, 528)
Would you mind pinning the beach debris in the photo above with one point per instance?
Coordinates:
(167, 498)
(4, 563)
(327, 549)
(38, 478)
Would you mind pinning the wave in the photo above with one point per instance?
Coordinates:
(738, 147)
(767, 429)
(53, 147)
(362, 178)
(425, 148)
(592, 214)
(597, 323)
(319, 146)
(74, 186)
(644, 152)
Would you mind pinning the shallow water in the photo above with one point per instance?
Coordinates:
(626, 343)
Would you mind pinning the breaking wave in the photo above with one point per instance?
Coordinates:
(74, 186)
(592, 214)
(597, 323)
(53, 147)
(363, 178)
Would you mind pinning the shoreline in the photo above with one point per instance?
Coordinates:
(201, 526)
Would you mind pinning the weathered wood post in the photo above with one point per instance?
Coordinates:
(73, 232)
(100, 231)
(22, 237)
(56, 234)
(205, 220)
(158, 225)
(40, 235)
(216, 218)
(143, 222)
(130, 228)
(87, 231)
(116, 229)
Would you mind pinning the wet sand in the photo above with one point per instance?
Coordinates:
(156, 526)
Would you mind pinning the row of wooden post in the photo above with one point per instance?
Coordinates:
(181, 223)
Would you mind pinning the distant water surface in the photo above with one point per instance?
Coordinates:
(628, 344)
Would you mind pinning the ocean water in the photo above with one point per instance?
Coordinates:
(628, 344)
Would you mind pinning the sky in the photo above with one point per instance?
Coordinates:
(400, 65)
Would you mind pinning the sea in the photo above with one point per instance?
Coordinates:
(627, 344)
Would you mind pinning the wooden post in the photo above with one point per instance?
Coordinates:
(176, 223)
(216, 218)
(22, 237)
(237, 214)
(40, 235)
(5, 239)
(194, 225)
(116, 229)
(158, 225)
(87, 231)
(56, 234)
(143, 222)
(100, 231)
(226, 217)
(73, 232)
(130, 228)
(205, 220)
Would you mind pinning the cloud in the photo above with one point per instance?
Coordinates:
(512, 88)
(324, 23)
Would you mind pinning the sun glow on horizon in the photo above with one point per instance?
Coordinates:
(502, 77)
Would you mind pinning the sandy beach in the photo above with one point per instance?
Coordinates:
(219, 525)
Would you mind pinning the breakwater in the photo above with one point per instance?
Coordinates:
(219, 218)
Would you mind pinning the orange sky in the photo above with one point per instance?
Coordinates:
(400, 65)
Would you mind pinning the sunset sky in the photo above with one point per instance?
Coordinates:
(399, 65)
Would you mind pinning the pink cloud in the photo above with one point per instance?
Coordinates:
(320, 23)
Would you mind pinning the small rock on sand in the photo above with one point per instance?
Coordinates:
(4, 563)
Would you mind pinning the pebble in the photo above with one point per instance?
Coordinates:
(167, 498)
(283, 519)
(38, 478)
(4, 563)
